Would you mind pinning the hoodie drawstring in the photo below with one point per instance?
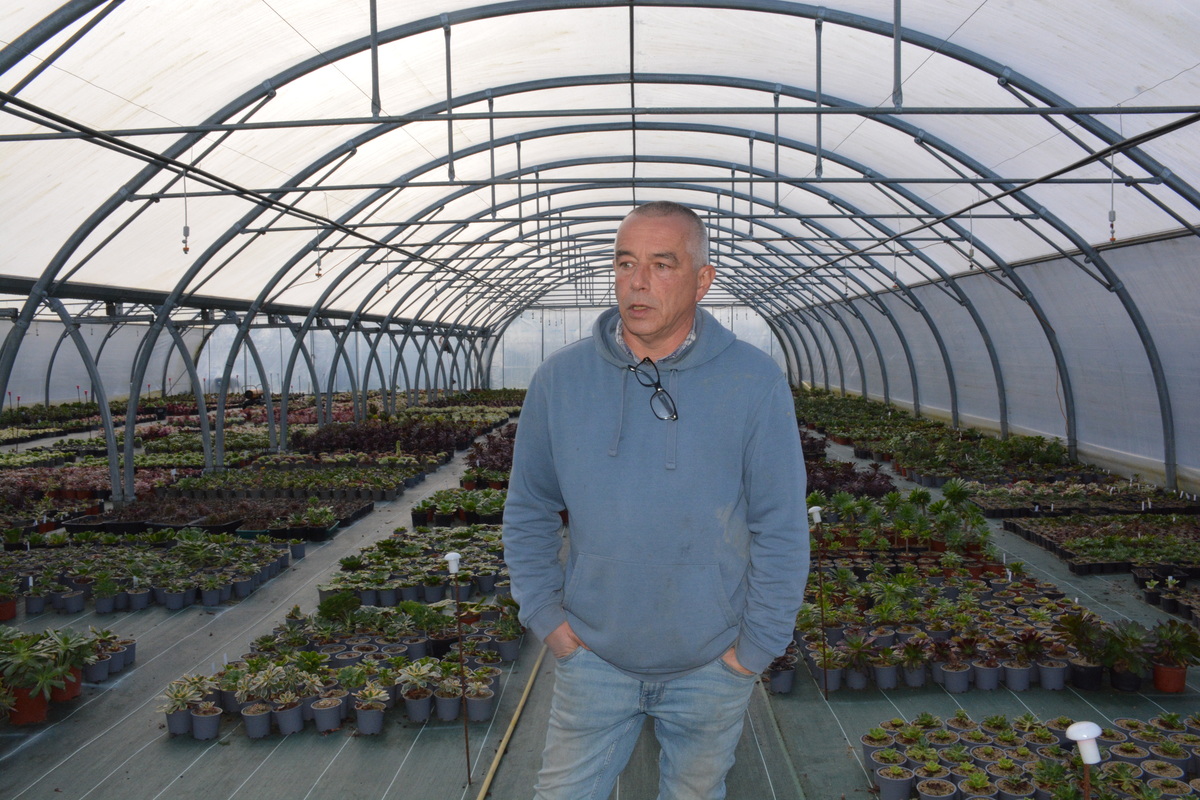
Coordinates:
(616, 440)
(673, 424)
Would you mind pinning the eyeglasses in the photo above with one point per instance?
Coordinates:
(660, 401)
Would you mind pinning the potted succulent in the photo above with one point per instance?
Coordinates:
(370, 703)
(977, 784)
(781, 674)
(257, 718)
(935, 789)
(416, 679)
(1174, 647)
(1126, 654)
(886, 757)
(104, 592)
(31, 673)
(72, 651)
(180, 696)
(875, 739)
(8, 597)
(894, 782)
(206, 720)
(1082, 631)
(481, 698)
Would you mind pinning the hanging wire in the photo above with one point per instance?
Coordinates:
(186, 230)
(971, 234)
(1112, 189)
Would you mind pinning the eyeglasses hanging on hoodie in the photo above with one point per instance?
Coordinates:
(661, 402)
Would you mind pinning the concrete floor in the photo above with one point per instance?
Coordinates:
(112, 743)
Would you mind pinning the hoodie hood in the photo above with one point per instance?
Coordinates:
(712, 339)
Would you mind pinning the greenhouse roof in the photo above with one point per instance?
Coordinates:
(456, 163)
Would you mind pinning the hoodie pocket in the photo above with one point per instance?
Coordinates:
(647, 617)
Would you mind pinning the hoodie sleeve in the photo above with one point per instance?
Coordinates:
(779, 546)
(532, 526)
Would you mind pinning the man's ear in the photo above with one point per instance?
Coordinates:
(704, 279)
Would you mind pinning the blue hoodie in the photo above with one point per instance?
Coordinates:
(685, 537)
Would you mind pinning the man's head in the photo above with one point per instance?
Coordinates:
(661, 273)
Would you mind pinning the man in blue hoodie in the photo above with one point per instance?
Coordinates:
(674, 449)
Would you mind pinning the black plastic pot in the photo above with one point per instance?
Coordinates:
(1089, 677)
(1125, 681)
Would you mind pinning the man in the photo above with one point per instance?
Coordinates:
(674, 449)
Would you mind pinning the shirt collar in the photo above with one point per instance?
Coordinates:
(676, 353)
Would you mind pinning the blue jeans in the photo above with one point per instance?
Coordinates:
(596, 715)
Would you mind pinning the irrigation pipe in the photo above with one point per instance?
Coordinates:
(487, 781)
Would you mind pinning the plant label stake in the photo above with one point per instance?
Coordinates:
(815, 514)
(452, 560)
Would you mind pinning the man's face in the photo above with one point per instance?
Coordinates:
(657, 283)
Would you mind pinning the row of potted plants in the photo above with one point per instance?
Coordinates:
(420, 430)
(1029, 758)
(92, 480)
(927, 612)
(926, 447)
(1117, 543)
(410, 565)
(349, 656)
(176, 569)
(1112, 496)
(257, 516)
(446, 507)
(340, 482)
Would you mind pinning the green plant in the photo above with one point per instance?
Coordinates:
(372, 695)
(27, 663)
(1082, 630)
(1126, 647)
(977, 783)
(888, 755)
(180, 695)
(1175, 644)
(339, 607)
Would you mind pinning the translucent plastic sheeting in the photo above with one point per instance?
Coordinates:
(48, 355)
(219, 61)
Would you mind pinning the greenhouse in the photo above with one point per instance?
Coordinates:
(275, 278)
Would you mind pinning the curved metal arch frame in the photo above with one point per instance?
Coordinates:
(145, 352)
(592, 232)
(268, 403)
(178, 343)
(867, 327)
(963, 299)
(915, 38)
(850, 164)
(91, 365)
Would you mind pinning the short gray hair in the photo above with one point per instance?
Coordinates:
(666, 208)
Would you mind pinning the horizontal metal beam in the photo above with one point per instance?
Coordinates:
(625, 181)
(592, 218)
(21, 287)
(552, 113)
(560, 242)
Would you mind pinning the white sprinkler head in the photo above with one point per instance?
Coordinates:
(1084, 734)
(815, 513)
(452, 560)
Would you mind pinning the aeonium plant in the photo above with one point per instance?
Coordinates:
(371, 696)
